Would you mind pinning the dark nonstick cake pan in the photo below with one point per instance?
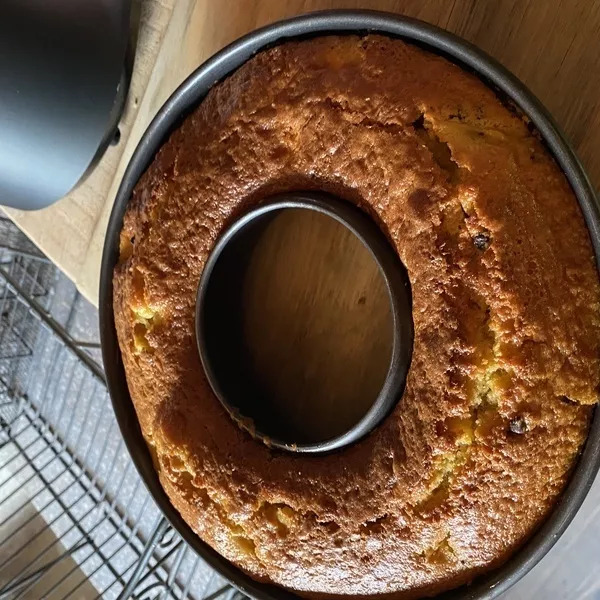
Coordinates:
(186, 98)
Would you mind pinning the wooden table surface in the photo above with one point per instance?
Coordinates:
(552, 45)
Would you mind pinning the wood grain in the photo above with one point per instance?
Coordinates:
(317, 321)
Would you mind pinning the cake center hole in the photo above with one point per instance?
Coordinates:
(300, 314)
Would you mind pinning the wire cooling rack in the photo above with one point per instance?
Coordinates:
(75, 519)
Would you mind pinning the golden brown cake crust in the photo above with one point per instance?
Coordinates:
(505, 307)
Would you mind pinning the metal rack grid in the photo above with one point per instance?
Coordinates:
(75, 518)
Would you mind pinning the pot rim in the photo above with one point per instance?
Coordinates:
(186, 97)
(397, 286)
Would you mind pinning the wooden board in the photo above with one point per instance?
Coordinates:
(552, 45)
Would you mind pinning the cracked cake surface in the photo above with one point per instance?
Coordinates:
(505, 366)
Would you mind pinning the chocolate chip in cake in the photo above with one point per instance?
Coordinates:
(482, 241)
(518, 426)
